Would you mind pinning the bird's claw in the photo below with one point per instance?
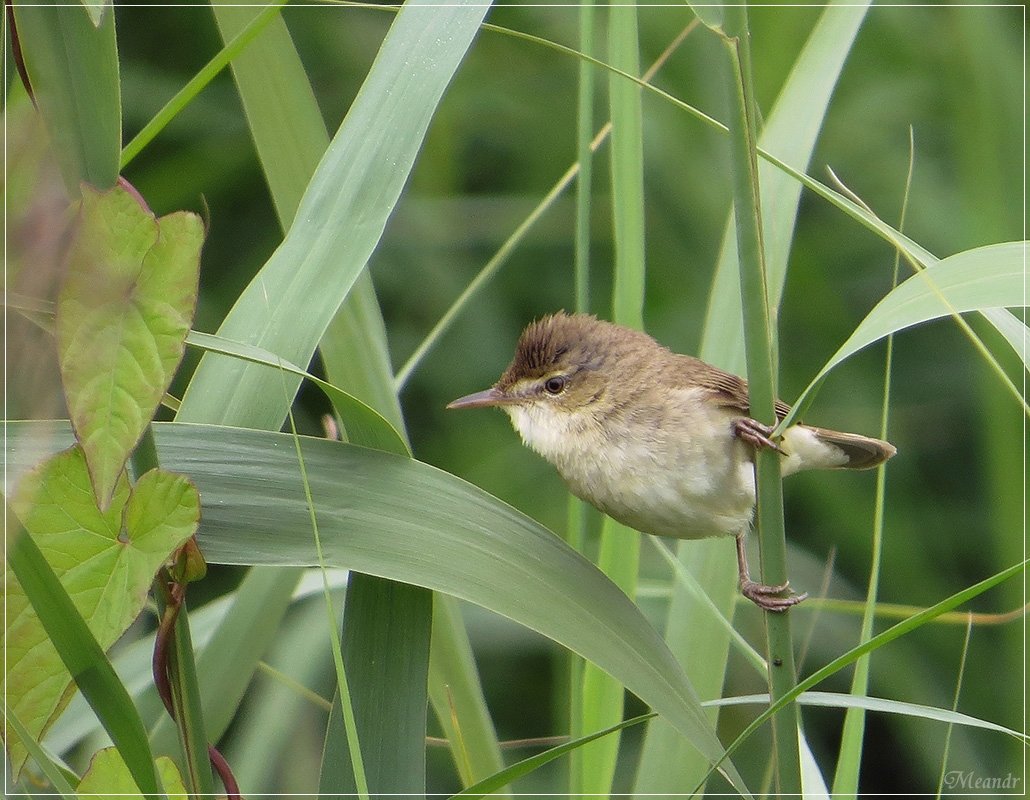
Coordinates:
(756, 434)
(768, 597)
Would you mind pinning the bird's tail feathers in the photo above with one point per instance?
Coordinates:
(862, 452)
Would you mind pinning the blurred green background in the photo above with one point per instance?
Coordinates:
(503, 135)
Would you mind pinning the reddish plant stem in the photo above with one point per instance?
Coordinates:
(175, 594)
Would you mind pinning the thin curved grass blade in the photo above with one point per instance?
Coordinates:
(990, 277)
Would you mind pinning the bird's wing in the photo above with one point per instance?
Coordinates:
(729, 390)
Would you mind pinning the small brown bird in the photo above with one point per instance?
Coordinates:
(659, 441)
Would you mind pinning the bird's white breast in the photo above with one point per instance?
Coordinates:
(675, 470)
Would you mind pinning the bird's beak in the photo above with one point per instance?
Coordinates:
(488, 397)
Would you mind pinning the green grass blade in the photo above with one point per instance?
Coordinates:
(894, 632)
(364, 425)
(389, 690)
(341, 216)
(528, 765)
(602, 703)
(989, 277)
(189, 713)
(83, 657)
(403, 520)
(881, 705)
(584, 157)
(196, 84)
(954, 706)
(351, 740)
(457, 696)
(627, 166)
(73, 67)
(619, 556)
(849, 759)
(48, 766)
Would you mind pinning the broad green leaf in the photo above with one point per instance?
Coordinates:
(108, 776)
(341, 216)
(122, 317)
(97, 10)
(72, 65)
(364, 425)
(990, 277)
(709, 13)
(1012, 328)
(290, 138)
(397, 518)
(81, 655)
(377, 675)
(105, 560)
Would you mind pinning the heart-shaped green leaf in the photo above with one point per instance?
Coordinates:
(122, 318)
(104, 559)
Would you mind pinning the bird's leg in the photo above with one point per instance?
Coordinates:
(763, 595)
(755, 434)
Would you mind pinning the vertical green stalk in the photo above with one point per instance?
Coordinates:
(759, 348)
(619, 555)
(576, 524)
(627, 160)
(584, 156)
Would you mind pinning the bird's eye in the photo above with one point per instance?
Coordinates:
(556, 384)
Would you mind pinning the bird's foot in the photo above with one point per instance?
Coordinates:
(768, 597)
(755, 433)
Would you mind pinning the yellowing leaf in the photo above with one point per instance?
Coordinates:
(122, 318)
(104, 559)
